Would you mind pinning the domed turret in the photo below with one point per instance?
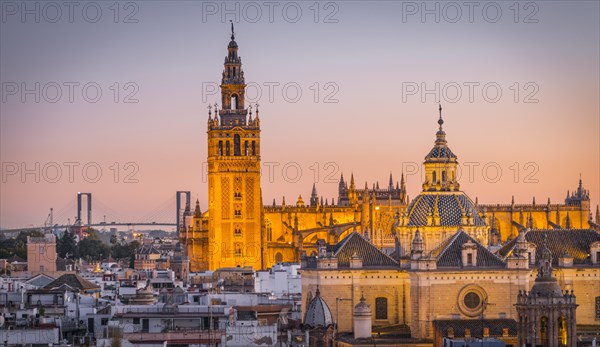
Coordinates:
(318, 312)
(545, 283)
(440, 164)
(362, 319)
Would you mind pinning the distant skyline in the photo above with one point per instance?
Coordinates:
(363, 70)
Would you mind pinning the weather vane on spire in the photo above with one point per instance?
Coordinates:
(440, 121)
(232, 32)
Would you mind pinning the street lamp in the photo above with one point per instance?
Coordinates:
(337, 316)
(484, 305)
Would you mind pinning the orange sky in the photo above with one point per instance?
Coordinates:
(358, 108)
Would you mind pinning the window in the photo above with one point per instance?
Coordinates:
(253, 147)
(269, 230)
(104, 321)
(444, 176)
(236, 145)
(227, 148)
(434, 177)
(246, 148)
(220, 149)
(381, 308)
(234, 98)
(598, 308)
(42, 250)
(42, 268)
(470, 259)
(472, 300)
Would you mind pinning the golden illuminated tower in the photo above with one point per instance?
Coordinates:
(234, 196)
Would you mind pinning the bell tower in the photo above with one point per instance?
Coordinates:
(234, 195)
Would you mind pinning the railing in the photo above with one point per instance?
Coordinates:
(180, 336)
(181, 310)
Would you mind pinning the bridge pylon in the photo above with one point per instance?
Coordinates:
(89, 207)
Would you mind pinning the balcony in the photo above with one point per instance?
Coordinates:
(177, 337)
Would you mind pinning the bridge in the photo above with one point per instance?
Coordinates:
(162, 215)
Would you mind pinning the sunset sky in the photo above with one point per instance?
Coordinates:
(361, 68)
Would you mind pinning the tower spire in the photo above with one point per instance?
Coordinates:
(440, 121)
(197, 211)
(232, 32)
(314, 198)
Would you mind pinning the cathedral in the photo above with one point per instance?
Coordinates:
(238, 229)
(436, 267)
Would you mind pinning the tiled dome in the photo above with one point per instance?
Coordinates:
(317, 312)
(440, 152)
(451, 207)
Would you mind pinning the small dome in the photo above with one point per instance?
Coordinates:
(546, 288)
(317, 312)
(440, 152)
(362, 308)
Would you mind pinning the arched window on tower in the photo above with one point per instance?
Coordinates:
(253, 148)
(234, 102)
(246, 148)
(220, 149)
(236, 145)
(434, 179)
(444, 176)
(227, 148)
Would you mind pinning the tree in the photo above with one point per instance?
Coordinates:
(92, 249)
(133, 247)
(20, 245)
(67, 245)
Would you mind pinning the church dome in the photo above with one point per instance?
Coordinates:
(317, 312)
(546, 288)
(450, 207)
